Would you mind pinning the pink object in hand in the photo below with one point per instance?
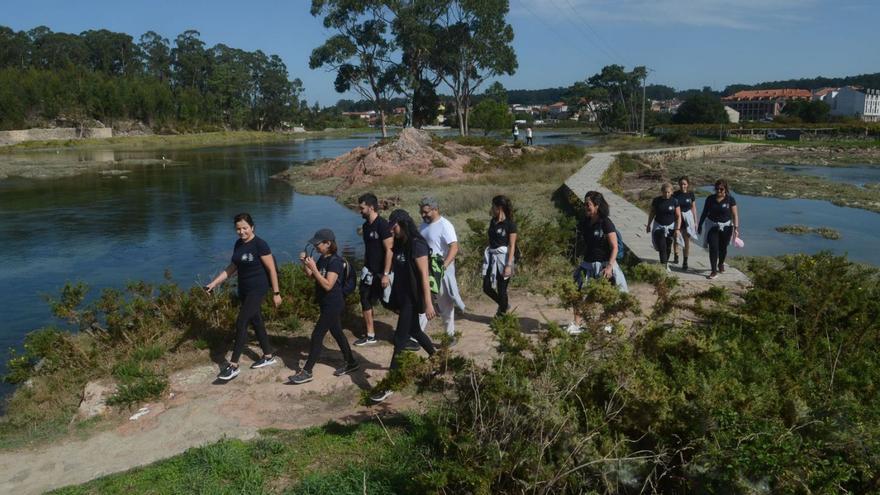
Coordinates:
(738, 242)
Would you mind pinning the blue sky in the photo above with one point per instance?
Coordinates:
(686, 43)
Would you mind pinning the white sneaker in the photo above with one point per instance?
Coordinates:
(574, 329)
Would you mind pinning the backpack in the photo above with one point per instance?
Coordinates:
(348, 281)
(435, 272)
(621, 247)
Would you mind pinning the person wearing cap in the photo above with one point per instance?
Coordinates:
(328, 273)
(410, 290)
(253, 263)
(374, 278)
(439, 233)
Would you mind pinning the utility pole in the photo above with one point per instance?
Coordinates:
(643, 103)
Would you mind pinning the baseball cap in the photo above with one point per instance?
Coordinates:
(321, 236)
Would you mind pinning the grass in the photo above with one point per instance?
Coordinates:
(824, 232)
(364, 458)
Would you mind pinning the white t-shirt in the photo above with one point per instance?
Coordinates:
(440, 235)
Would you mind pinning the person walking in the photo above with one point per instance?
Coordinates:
(529, 140)
(329, 275)
(410, 289)
(498, 258)
(254, 264)
(598, 236)
(664, 220)
(374, 278)
(515, 133)
(718, 226)
(687, 202)
(439, 233)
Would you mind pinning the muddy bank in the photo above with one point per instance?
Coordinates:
(756, 171)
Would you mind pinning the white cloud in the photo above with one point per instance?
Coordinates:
(732, 14)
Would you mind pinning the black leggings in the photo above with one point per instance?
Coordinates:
(330, 319)
(500, 295)
(718, 239)
(663, 243)
(408, 326)
(250, 313)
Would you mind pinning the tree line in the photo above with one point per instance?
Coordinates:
(108, 76)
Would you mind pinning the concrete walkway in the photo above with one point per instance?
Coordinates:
(630, 220)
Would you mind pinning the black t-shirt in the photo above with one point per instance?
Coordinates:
(664, 210)
(718, 212)
(595, 239)
(374, 252)
(252, 275)
(328, 264)
(405, 288)
(686, 200)
(499, 232)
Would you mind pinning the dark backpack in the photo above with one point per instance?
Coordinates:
(621, 247)
(348, 281)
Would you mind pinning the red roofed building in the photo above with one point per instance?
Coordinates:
(763, 103)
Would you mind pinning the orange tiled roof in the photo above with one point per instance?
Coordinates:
(765, 94)
(825, 91)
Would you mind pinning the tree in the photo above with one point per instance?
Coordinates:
(112, 53)
(702, 108)
(190, 61)
(491, 115)
(361, 52)
(477, 45)
(808, 111)
(496, 92)
(156, 54)
(15, 48)
(619, 96)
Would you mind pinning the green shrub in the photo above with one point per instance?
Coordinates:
(678, 138)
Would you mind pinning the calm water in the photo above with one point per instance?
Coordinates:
(859, 229)
(127, 222)
(858, 175)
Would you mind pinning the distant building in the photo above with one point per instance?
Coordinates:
(732, 115)
(852, 101)
(763, 103)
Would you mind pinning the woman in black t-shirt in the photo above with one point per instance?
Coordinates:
(499, 256)
(410, 289)
(598, 236)
(329, 275)
(719, 224)
(253, 262)
(666, 217)
(687, 202)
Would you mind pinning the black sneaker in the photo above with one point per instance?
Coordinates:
(675, 259)
(412, 346)
(303, 376)
(228, 372)
(348, 368)
(368, 340)
(381, 396)
(264, 361)
(684, 264)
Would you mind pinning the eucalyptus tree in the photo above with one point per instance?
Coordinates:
(361, 52)
(618, 95)
(475, 44)
(155, 51)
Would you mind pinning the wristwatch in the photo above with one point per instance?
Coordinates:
(277, 293)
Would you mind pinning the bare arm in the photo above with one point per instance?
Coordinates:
(269, 262)
(511, 254)
(608, 271)
(735, 214)
(222, 276)
(450, 257)
(388, 244)
(422, 265)
(677, 217)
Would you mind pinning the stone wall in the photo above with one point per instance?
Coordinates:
(63, 133)
(690, 152)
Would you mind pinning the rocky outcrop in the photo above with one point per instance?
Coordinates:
(94, 401)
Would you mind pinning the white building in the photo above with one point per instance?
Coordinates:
(732, 115)
(854, 102)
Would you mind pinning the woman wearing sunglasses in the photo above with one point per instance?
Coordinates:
(719, 224)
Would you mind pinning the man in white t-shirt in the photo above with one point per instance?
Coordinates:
(440, 234)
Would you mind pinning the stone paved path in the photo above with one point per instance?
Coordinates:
(630, 220)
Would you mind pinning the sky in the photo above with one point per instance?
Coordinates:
(684, 43)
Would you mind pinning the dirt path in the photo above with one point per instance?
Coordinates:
(196, 410)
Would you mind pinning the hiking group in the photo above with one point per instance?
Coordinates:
(410, 270)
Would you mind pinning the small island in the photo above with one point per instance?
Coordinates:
(824, 232)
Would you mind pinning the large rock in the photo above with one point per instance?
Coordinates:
(94, 402)
(413, 152)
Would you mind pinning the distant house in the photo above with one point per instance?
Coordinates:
(852, 101)
(732, 115)
(370, 116)
(763, 104)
